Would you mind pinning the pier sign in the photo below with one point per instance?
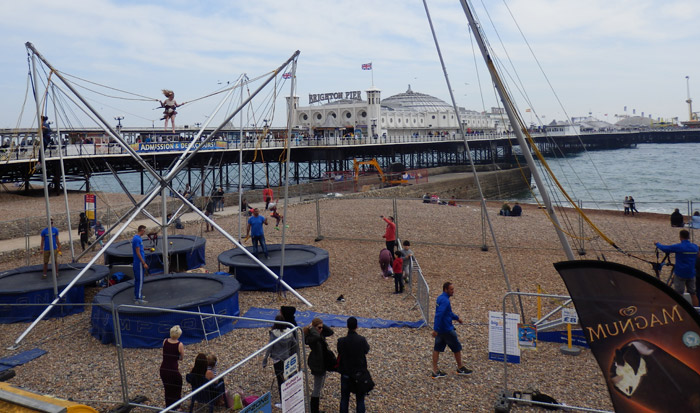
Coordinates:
(173, 146)
(319, 97)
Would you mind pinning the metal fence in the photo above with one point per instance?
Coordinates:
(121, 370)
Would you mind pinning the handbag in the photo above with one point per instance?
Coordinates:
(330, 361)
(363, 382)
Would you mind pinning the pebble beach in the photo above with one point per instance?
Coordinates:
(447, 242)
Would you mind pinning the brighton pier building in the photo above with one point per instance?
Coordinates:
(344, 114)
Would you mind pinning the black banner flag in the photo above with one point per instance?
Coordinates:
(645, 337)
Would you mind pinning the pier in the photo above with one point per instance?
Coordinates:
(88, 152)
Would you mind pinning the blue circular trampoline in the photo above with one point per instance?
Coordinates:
(141, 327)
(304, 266)
(25, 285)
(186, 252)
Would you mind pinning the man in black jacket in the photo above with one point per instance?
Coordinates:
(352, 350)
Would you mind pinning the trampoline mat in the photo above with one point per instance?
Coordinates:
(173, 291)
(293, 255)
(180, 244)
(24, 279)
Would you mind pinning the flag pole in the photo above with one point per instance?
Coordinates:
(371, 69)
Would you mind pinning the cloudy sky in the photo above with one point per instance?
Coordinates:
(597, 56)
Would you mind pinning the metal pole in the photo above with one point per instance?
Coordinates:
(63, 178)
(517, 128)
(319, 237)
(240, 167)
(291, 115)
(40, 136)
(164, 227)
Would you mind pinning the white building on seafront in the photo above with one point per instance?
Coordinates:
(410, 113)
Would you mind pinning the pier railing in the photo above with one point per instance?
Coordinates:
(23, 149)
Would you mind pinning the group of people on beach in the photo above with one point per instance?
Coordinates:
(283, 339)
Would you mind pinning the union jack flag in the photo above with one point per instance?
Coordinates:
(287, 75)
(367, 66)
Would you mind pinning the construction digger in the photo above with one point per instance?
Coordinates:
(391, 179)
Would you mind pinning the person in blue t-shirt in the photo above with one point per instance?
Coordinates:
(140, 265)
(684, 271)
(46, 247)
(255, 230)
(444, 332)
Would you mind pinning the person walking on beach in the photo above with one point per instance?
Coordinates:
(626, 204)
(139, 266)
(684, 271)
(352, 352)
(46, 247)
(389, 234)
(255, 229)
(444, 332)
(208, 212)
(83, 228)
(315, 337)
(173, 353)
(219, 197)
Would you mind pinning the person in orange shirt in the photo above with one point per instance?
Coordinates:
(267, 196)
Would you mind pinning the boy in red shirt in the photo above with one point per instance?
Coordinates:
(398, 273)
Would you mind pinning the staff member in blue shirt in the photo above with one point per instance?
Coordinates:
(255, 230)
(444, 332)
(140, 265)
(686, 254)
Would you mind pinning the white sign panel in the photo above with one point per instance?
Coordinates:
(293, 394)
(569, 316)
(290, 366)
(496, 331)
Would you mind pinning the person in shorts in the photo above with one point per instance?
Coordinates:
(46, 247)
(444, 332)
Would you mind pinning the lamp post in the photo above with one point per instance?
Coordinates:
(374, 127)
(119, 123)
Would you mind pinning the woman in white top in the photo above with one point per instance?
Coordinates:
(169, 105)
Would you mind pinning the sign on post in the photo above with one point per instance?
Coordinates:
(496, 331)
(91, 207)
(293, 394)
(290, 366)
(569, 316)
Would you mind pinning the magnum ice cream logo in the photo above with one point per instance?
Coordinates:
(632, 322)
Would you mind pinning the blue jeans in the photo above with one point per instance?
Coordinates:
(259, 239)
(345, 396)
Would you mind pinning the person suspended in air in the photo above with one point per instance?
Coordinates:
(276, 215)
(169, 105)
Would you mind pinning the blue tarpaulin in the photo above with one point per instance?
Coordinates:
(332, 320)
(7, 363)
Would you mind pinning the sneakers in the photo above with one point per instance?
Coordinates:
(140, 302)
(463, 371)
(278, 405)
(439, 374)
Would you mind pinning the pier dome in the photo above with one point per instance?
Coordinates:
(414, 101)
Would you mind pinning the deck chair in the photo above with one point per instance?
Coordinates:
(209, 396)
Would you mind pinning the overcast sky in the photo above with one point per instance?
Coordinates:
(600, 56)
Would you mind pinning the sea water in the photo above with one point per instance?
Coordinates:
(660, 177)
